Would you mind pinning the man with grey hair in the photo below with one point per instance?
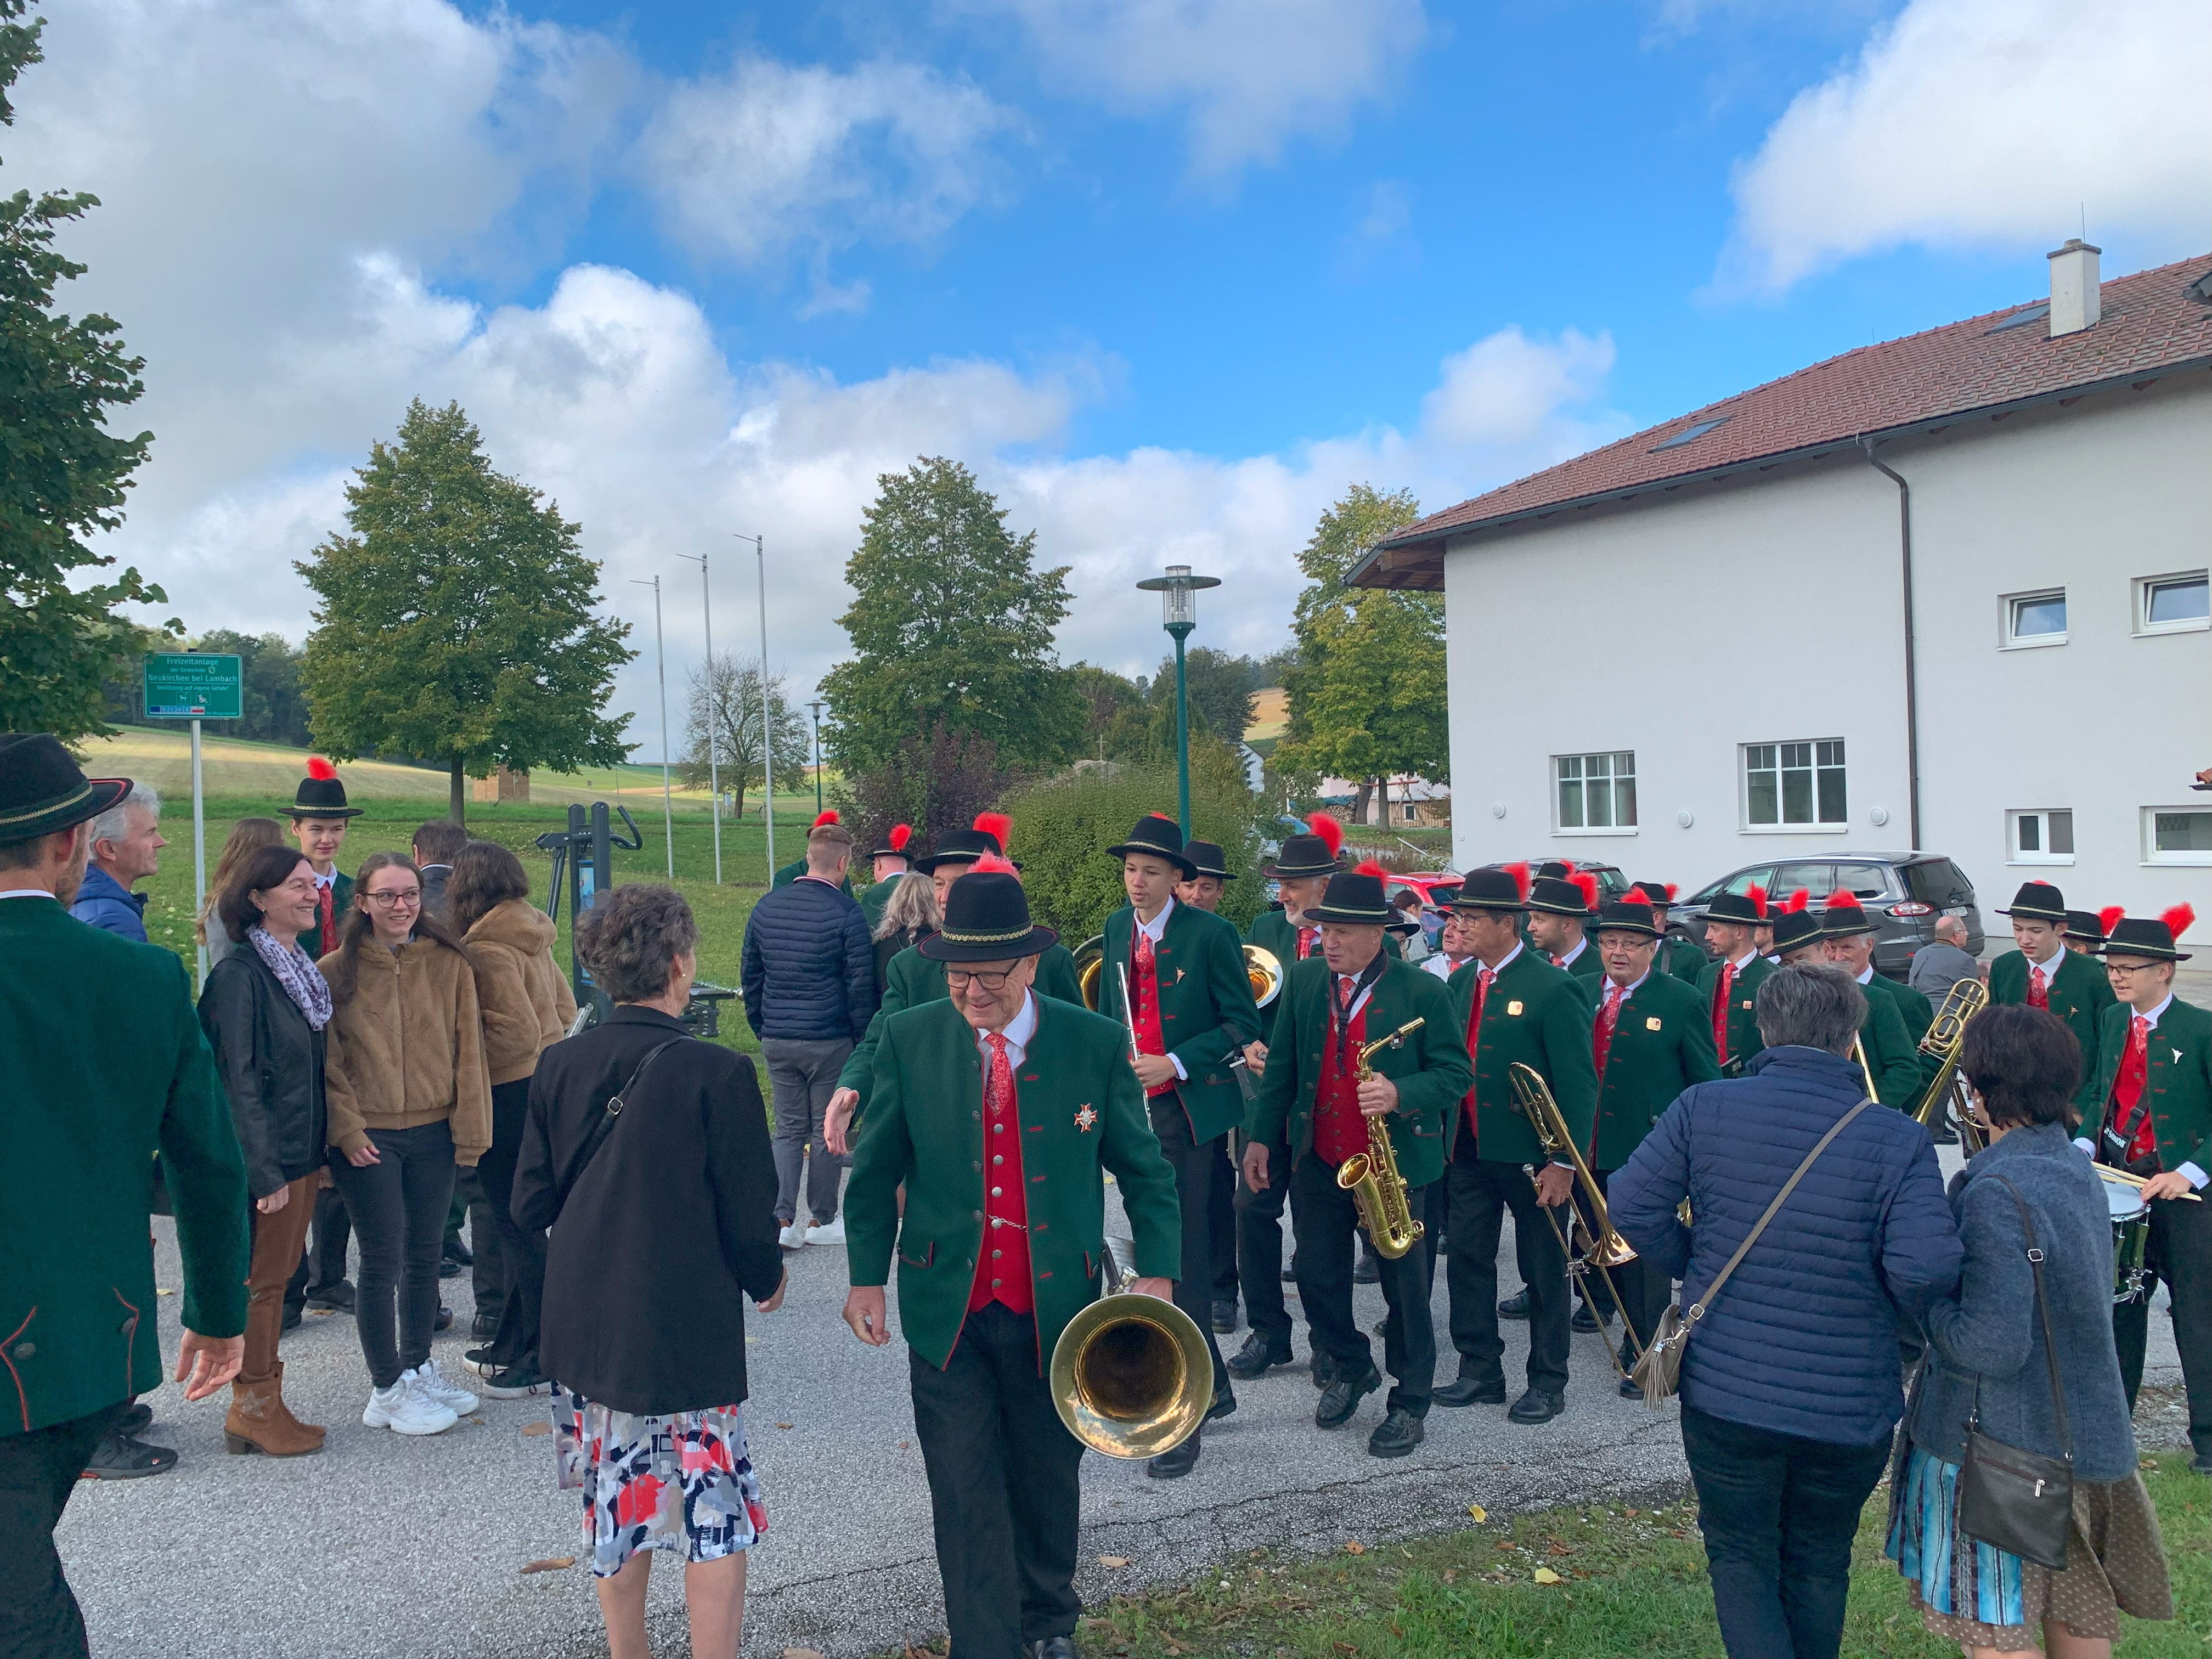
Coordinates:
(1790, 1380)
(126, 848)
(1937, 967)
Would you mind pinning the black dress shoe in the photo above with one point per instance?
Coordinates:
(448, 1268)
(1587, 1320)
(1224, 1401)
(1630, 1390)
(1260, 1352)
(460, 1252)
(1472, 1391)
(126, 1457)
(338, 1297)
(1174, 1464)
(1396, 1435)
(1224, 1317)
(1342, 1396)
(1367, 1271)
(1515, 1306)
(444, 1320)
(1536, 1406)
(1055, 1647)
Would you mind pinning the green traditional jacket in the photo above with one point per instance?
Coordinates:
(1081, 1113)
(1743, 1038)
(1207, 1012)
(1661, 1044)
(1429, 1067)
(1890, 1053)
(2079, 994)
(1271, 930)
(877, 894)
(1540, 1016)
(1681, 958)
(1918, 1013)
(1588, 965)
(797, 867)
(312, 941)
(913, 979)
(2178, 1073)
(82, 1116)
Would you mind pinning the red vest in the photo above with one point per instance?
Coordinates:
(1340, 1131)
(1473, 1034)
(2128, 1081)
(1145, 1003)
(1002, 1264)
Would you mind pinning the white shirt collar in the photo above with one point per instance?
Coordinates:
(27, 892)
(329, 880)
(1366, 991)
(1019, 1030)
(1581, 946)
(1505, 962)
(1745, 959)
(2050, 965)
(2152, 1016)
(1630, 989)
(1156, 927)
(1866, 975)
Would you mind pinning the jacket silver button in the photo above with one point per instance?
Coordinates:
(994, 1192)
(25, 1350)
(998, 1160)
(995, 1254)
(976, 1216)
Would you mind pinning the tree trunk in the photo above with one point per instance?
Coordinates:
(457, 795)
(1359, 801)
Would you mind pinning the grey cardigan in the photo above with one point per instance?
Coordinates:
(1991, 1327)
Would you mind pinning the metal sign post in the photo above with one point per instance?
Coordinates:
(196, 685)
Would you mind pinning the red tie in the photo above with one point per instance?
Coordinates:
(324, 935)
(1607, 1016)
(1558, 961)
(1721, 1010)
(1306, 937)
(2039, 994)
(1483, 978)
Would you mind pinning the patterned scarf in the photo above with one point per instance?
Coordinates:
(296, 972)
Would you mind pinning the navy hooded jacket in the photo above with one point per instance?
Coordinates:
(809, 970)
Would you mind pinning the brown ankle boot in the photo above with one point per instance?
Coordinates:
(315, 1429)
(259, 1423)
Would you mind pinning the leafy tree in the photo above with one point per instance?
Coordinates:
(62, 474)
(456, 619)
(1106, 696)
(951, 626)
(726, 699)
(936, 781)
(1219, 687)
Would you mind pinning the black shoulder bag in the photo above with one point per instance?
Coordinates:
(2020, 1501)
(603, 1125)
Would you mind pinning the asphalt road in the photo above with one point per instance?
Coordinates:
(383, 1544)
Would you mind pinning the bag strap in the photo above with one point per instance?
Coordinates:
(603, 1125)
(2042, 1313)
(1712, 1291)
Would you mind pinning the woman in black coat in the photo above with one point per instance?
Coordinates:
(659, 1233)
(263, 1009)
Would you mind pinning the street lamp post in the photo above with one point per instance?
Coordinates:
(814, 708)
(714, 709)
(1178, 592)
(767, 711)
(660, 652)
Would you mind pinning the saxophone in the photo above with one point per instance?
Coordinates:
(1371, 1177)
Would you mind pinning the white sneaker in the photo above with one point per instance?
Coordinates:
(431, 1382)
(827, 1232)
(792, 1236)
(405, 1409)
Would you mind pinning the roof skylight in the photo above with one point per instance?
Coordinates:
(1690, 434)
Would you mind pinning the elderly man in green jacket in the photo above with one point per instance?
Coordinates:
(999, 1111)
(83, 1121)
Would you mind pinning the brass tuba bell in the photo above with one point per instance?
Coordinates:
(1089, 958)
(1265, 970)
(1131, 1375)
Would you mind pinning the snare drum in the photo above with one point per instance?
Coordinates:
(2131, 1219)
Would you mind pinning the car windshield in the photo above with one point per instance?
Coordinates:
(1939, 882)
(1443, 893)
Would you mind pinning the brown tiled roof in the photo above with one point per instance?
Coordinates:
(2153, 322)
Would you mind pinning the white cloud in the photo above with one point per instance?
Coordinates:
(1988, 124)
(747, 165)
(1251, 73)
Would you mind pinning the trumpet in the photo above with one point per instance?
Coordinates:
(1264, 970)
(1946, 1034)
(1607, 1248)
(1372, 1178)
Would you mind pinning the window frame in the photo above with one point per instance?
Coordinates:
(2148, 846)
(2144, 587)
(2015, 854)
(1818, 826)
(1613, 780)
(2011, 638)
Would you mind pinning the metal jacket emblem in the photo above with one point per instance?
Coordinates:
(1085, 1119)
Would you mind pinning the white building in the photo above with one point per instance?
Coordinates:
(1946, 593)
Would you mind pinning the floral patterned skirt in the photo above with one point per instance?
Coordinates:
(684, 1481)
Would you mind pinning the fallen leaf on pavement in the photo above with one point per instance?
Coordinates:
(1479, 1513)
(1113, 1563)
(165, 1291)
(1355, 1547)
(1545, 1576)
(537, 1428)
(552, 1564)
(1557, 1549)
(801, 1653)
(783, 1425)
(906, 1445)
(1632, 1514)
(1505, 1544)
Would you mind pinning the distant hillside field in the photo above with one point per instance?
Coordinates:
(1271, 713)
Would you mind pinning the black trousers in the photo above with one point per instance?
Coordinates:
(324, 1263)
(1004, 1494)
(486, 1268)
(2181, 1253)
(398, 1204)
(1779, 1513)
(1480, 1191)
(38, 1616)
(1193, 1291)
(1645, 1293)
(521, 1251)
(1328, 1220)
(1221, 1219)
(1259, 1245)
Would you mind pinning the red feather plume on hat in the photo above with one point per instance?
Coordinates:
(2177, 919)
(1796, 901)
(1330, 831)
(2109, 917)
(1567, 868)
(1842, 898)
(997, 825)
(1673, 888)
(1520, 874)
(989, 864)
(1164, 817)
(1636, 895)
(1757, 895)
(1369, 867)
(901, 833)
(320, 769)
(821, 819)
(1586, 884)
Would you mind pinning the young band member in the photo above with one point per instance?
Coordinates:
(2044, 974)
(1513, 1006)
(1312, 1101)
(888, 864)
(1650, 1041)
(913, 977)
(2153, 1118)
(792, 870)
(1731, 980)
(1892, 1052)
(998, 1110)
(1189, 1009)
(2087, 929)
(1677, 956)
(1558, 907)
(1797, 941)
(1203, 893)
(319, 819)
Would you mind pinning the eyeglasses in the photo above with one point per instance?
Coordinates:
(410, 899)
(958, 979)
(2112, 966)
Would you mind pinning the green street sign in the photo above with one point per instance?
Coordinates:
(193, 685)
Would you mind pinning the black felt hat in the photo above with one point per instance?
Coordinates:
(988, 836)
(894, 845)
(1793, 928)
(1573, 894)
(1627, 915)
(1316, 853)
(2090, 925)
(1845, 917)
(1661, 893)
(1354, 897)
(43, 790)
(986, 919)
(1746, 910)
(2038, 900)
(1208, 857)
(1161, 836)
(320, 795)
(2146, 936)
(1499, 887)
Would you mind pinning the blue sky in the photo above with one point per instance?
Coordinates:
(1170, 274)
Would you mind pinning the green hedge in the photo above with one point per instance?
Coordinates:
(1063, 828)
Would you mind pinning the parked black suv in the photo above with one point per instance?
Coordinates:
(1903, 892)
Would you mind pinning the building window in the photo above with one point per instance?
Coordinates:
(2035, 618)
(2041, 836)
(2173, 605)
(1413, 813)
(1794, 785)
(2177, 834)
(1596, 793)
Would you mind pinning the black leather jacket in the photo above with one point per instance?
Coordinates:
(270, 1061)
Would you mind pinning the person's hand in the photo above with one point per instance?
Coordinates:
(1153, 1070)
(270, 1203)
(204, 1364)
(776, 1300)
(1378, 1097)
(1256, 1166)
(324, 1179)
(362, 1157)
(2171, 1184)
(864, 1312)
(1255, 1058)
(1555, 1184)
(838, 1119)
(1162, 1288)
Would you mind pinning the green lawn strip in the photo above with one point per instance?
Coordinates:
(1631, 1581)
